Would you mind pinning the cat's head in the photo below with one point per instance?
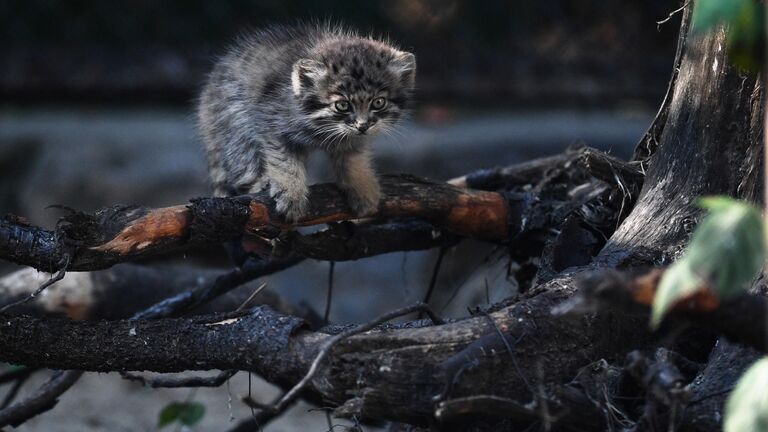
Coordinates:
(352, 87)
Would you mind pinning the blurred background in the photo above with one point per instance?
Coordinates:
(96, 108)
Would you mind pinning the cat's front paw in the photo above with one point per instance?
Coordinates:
(364, 200)
(292, 204)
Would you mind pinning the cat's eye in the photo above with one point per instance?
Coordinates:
(379, 103)
(341, 106)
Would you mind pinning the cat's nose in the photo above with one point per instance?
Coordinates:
(362, 127)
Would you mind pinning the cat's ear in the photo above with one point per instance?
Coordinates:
(305, 73)
(404, 65)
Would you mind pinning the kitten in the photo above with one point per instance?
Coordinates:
(281, 92)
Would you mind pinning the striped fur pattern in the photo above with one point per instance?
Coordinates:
(281, 92)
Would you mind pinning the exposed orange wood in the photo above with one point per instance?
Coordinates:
(470, 213)
(644, 290)
(169, 223)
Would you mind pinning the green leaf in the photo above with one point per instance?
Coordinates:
(744, 24)
(747, 407)
(168, 415)
(192, 413)
(745, 42)
(725, 254)
(708, 13)
(186, 413)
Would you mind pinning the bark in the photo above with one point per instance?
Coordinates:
(370, 375)
(345, 241)
(733, 318)
(83, 242)
(210, 342)
(123, 233)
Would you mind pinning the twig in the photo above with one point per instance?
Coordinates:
(11, 395)
(647, 145)
(433, 279)
(15, 373)
(672, 14)
(250, 390)
(250, 297)
(54, 278)
(41, 400)
(326, 347)
(257, 421)
(188, 300)
(327, 314)
(459, 286)
(180, 382)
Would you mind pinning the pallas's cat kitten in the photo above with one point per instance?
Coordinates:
(281, 92)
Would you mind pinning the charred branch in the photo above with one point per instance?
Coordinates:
(202, 343)
(733, 318)
(202, 294)
(123, 233)
(385, 382)
(344, 241)
(593, 163)
(43, 399)
(422, 214)
(123, 290)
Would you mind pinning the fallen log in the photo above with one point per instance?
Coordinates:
(405, 365)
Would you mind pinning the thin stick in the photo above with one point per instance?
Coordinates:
(325, 349)
(327, 314)
(55, 278)
(250, 297)
(41, 400)
(188, 300)
(671, 14)
(433, 279)
(258, 421)
(15, 373)
(11, 395)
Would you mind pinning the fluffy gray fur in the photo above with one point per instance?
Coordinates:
(283, 91)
